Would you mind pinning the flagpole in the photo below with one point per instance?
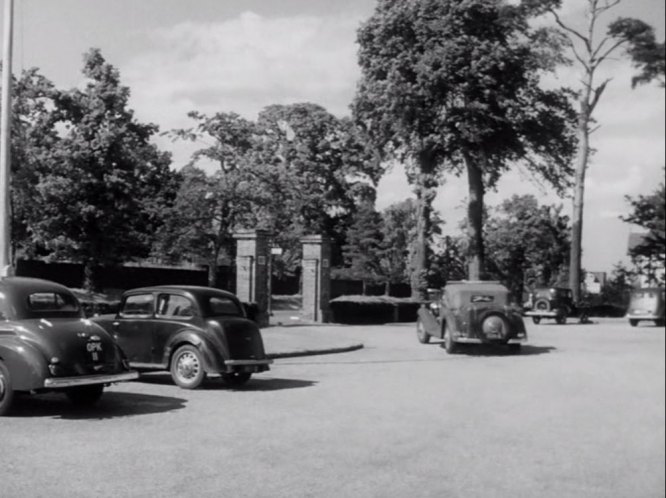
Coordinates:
(5, 143)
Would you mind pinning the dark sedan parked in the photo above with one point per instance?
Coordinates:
(189, 331)
(47, 344)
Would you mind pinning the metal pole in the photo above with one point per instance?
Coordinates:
(5, 143)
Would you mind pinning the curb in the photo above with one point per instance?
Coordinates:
(315, 352)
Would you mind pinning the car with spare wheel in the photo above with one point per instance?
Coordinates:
(189, 331)
(555, 303)
(47, 344)
(471, 313)
(647, 305)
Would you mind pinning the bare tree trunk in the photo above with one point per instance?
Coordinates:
(476, 251)
(583, 157)
(89, 282)
(426, 184)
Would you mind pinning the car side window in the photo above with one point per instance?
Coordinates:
(140, 305)
(174, 306)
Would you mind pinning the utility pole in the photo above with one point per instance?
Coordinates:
(5, 144)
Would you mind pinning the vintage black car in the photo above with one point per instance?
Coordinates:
(647, 304)
(189, 331)
(46, 343)
(472, 313)
(555, 303)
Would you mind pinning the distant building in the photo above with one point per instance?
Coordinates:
(595, 281)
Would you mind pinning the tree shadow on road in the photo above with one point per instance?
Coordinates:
(112, 405)
(255, 384)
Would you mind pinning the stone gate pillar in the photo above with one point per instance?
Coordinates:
(316, 278)
(252, 253)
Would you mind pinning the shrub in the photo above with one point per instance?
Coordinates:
(366, 310)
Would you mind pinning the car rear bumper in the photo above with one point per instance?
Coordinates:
(474, 340)
(645, 317)
(90, 380)
(247, 365)
(546, 314)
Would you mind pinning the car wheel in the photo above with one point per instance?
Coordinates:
(6, 391)
(85, 396)
(236, 379)
(659, 323)
(633, 323)
(421, 334)
(542, 305)
(187, 367)
(536, 320)
(449, 344)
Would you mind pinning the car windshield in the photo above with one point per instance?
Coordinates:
(460, 296)
(644, 298)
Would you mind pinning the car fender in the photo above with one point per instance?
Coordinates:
(449, 320)
(26, 364)
(429, 321)
(213, 360)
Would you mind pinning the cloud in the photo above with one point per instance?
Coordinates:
(242, 65)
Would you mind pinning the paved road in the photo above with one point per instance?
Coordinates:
(579, 414)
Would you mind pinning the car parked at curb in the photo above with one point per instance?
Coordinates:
(47, 344)
(472, 313)
(190, 332)
(647, 305)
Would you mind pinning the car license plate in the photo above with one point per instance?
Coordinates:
(95, 350)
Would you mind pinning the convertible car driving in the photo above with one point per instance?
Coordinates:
(46, 344)
(189, 331)
(472, 313)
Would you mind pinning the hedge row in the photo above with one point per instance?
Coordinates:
(368, 310)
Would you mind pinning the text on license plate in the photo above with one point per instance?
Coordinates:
(95, 350)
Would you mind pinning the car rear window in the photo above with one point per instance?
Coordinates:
(222, 306)
(478, 298)
(52, 302)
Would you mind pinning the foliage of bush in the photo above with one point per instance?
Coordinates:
(366, 310)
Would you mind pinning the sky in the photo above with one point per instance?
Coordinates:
(242, 55)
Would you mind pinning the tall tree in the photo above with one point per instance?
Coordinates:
(455, 85)
(528, 243)
(321, 171)
(649, 212)
(96, 203)
(399, 225)
(364, 248)
(34, 137)
(591, 49)
(210, 207)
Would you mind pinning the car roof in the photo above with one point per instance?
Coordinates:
(28, 284)
(487, 286)
(191, 289)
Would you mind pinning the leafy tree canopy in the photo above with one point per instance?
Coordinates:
(96, 195)
(527, 243)
(450, 85)
(648, 212)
